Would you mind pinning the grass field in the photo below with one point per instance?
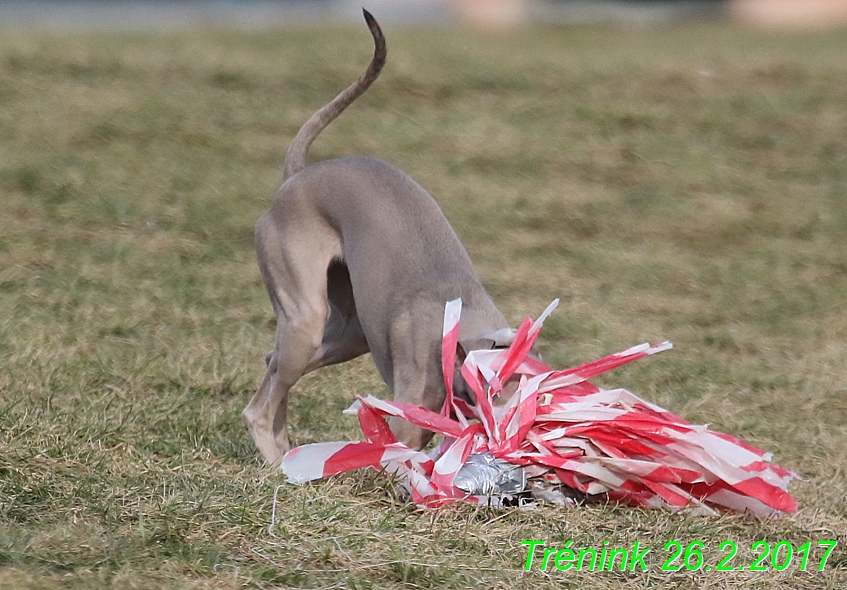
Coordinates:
(687, 184)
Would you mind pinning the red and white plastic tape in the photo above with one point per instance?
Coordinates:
(562, 430)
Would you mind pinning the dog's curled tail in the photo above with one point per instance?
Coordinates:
(295, 157)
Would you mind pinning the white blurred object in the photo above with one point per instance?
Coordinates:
(551, 495)
(496, 14)
(791, 14)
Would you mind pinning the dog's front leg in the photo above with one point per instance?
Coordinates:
(412, 385)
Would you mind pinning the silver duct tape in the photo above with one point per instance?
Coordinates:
(483, 474)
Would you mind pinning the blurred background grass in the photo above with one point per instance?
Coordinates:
(683, 183)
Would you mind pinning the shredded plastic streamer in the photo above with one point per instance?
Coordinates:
(561, 430)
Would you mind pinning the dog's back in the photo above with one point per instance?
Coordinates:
(393, 240)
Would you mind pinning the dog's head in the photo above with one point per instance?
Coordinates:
(498, 339)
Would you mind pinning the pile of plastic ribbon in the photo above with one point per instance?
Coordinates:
(556, 429)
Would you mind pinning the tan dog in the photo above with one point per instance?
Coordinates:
(358, 257)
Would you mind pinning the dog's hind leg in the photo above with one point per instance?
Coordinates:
(297, 339)
(299, 295)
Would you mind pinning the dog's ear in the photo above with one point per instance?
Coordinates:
(502, 338)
